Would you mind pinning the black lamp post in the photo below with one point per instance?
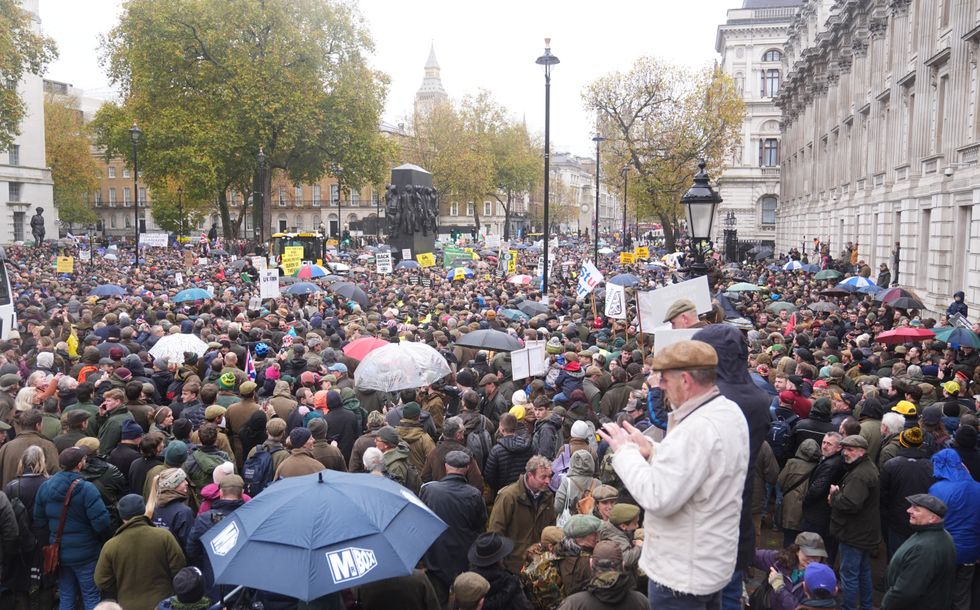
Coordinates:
(626, 173)
(699, 203)
(258, 199)
(180, 210)
(547, 60)
(731, 239)
(135, 134)
(595, 238)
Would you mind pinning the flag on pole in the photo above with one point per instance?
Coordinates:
(71, 237)
(589, 278)
(249, 365)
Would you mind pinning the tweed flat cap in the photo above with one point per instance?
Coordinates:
(685, 355)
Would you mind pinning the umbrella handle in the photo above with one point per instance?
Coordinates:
(223, 603)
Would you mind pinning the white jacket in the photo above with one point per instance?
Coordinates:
(691, 492)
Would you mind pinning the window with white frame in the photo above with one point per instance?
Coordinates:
(768, 152)
(112, 197)
(772, 55)
(767, 206)
(127, 196)
(334, 194)
(125, 172)
(142, 196)
(316, 196)
(13, 154)
(454, 209)
(355, 197)
(298, 193)
(770, 82)
(282, 197)
(487, 208)
(14, 191)
(469, 209)
(112, 171)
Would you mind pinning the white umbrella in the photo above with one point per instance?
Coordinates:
(400, 366)
(172, 347)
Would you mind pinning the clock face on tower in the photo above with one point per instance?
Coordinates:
(586, 207)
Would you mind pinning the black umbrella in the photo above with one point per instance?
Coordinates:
(763, 253)
(906, 303)
(835, 292)
(350, 291)
(532, 308)
(490, 339)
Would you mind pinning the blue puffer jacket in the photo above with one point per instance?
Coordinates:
(87, 524)
(961, 493)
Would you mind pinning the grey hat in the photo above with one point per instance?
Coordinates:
(680, 306)
(130, 506)
(457, 459)
(811, 544)
(854, 440)
(389, 435)
(930, 503)
(9, 380)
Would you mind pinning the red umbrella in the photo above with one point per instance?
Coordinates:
(359, 348)
(904, 335)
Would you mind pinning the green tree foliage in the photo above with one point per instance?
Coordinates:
(22, 50)
(210, 83)
(660, 120)
(73, 168)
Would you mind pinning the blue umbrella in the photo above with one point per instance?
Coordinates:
(963, 338)
(466, 272)
(302, 288)
(624, 279)
(309, 536)
(857, 283)
(108, 290)
(811, 268)
(792, 266)
(192, 294)
(407, 264)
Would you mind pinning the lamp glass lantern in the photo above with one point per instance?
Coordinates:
(700, 202)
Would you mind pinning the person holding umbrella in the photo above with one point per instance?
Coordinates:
(231, 489)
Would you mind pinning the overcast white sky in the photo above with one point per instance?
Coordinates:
(488, 45)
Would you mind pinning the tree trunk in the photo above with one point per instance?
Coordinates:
(225, 214)
(670, 233)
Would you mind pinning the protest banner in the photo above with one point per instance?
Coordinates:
(154, 240)
(626, 258)
(662, 337)
(588, 278)
(615, 301)
(66, 264)
(269, 283)
(292, 259)
(653, 304)
(382, 262)
(642, 253)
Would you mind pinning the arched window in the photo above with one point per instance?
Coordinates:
(772, 55)
(767, 206)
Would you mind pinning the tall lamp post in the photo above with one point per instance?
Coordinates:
(135, 134)
(626, 173)
(699, 203)
(258, 199)
(180, 210)
(731, 239)
(547, 60)
(595, 238)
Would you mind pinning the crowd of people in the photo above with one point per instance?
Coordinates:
(623, 477)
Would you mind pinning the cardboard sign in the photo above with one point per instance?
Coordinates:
(255, 303)
(85, 255)
(642, 253)
(666, 336)
(292, 259)
(615, 301)
(179, 279)
(459, 274)
(406, 254)
(653, 304)
(511, 257)
(154, 240)
(269, 283)
(66, 264)
(426, 259)
(626, 258)
(382, 261)
(259, 262)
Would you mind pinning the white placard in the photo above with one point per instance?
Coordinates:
(233, 257)
(202, 260)
(492, 241)
(269, 283)
(85, 255)
(653, 304)
(664, 337)
(615, 301)
(406, 254)
(258, 262)
(158, 240)
(255, 303)
(527, 362)
(382, 261)
(179, 279)
(210, 290)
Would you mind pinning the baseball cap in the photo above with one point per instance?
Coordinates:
(819, 576)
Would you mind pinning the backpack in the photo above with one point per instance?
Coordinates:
(257, 471)
(412, 482)
(479, 445)
(25, 540)
(542, 582)
(760, 597)
(204, 466)
(585, 503)
(780, 436)
(559, 467)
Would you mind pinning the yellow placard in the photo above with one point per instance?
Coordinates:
(512, 263)
(292, 258)
(66, 264)
(426, 259)
(642, 253)
(459, 274)
(332, 242)
(626, 258)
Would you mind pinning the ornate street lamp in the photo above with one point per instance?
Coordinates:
(547, 60)
(699, 203)
(626, 237)
(135, 135)
(258, 199)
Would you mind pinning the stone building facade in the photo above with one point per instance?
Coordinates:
(572, 194)
(881, 138)
(750, 43)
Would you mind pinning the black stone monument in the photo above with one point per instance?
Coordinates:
(411, 210)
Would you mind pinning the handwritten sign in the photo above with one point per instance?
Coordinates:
(642, 253)
(269, 283)
(155, 240)
(626, 258)
(292, 259)
(179, 279)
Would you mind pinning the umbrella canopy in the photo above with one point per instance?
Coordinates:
(519, 279)
(793, 266)
(906, 303)
(606, 250)
(459, 273)
(890, 294)
(302, 288)
(111, 257)
(624, 279)
(762, 254)
(857, 283)
(811, 268)
(532, 308)
(191, 294)
(835, 292)
(287, 279)
(309, 536)
(338, 267)
(744, 287)
(490, 339)
(172, 347)
(515, 315)
(237, 265)
(823, 306)
(359, 348)
(407, 264)
(108, 290)
(350, 291)
(961, 337)
(218, 252)
(400, 366)
(779, 306)
(309, 272)
(904, 335)
(828, 274)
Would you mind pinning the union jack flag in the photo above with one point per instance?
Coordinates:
(249, 365)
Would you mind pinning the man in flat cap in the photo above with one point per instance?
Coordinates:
(855, 521)
(683, 314)
(922, 572)
(690, 484)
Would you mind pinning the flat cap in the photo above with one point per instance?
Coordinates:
(685, 355)
(623, 513)
(580, 526)
(469, 588)
(854, 440)
(929, 502)
(248, 387)
(214, 412)
(488, 378)
(231, 481)
(603, 493)
(457, 459)
(607, 553)
(9, 380)
(680, 306)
